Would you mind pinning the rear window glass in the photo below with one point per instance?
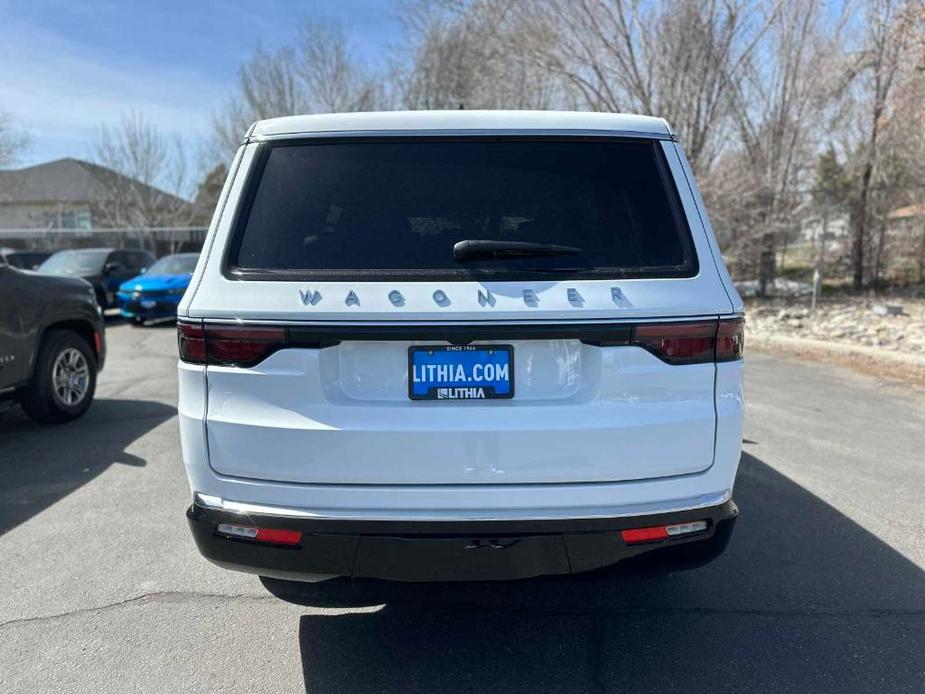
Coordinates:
(396, 208)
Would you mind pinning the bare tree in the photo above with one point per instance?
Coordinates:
(676, 60)
(319, 74)
(12, 140)
(137, 163)
(777, 102)
(331, 77)
(470, 55)
(890, 34)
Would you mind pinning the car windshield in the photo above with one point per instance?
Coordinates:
(174, 265)
(518, 207)
(74, 263)
(25, 260)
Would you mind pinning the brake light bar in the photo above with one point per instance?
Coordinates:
(687, 342)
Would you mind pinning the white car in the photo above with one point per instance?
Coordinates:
(450, 346)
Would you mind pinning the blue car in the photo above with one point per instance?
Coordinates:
(155, 294)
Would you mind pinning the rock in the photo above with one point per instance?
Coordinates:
(888, 309)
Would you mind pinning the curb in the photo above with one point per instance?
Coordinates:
(840, 349)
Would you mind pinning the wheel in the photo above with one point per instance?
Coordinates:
(138, 322)
(64, 380)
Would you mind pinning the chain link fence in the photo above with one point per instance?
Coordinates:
(159, 241)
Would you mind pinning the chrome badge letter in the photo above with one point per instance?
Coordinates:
(309, 297)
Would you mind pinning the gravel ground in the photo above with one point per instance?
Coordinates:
(852, 321)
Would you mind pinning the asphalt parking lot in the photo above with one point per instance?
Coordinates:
(823, 588)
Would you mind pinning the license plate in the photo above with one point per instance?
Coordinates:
(147, 303)
(461, 372)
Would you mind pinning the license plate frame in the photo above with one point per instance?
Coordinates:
(460, 392)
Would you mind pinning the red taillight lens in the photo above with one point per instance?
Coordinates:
(228, 345)
(678, 343)
(191, 340)
(730, 339)
(242, 345)
(692, 343)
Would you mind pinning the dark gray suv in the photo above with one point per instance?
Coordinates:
(52, 343)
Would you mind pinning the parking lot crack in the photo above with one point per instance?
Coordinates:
(136, 600)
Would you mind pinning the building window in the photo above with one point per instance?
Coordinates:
(67, 219)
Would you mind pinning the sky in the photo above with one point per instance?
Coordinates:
(67, 67)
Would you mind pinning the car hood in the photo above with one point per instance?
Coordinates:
(147, 283)
(76, 283)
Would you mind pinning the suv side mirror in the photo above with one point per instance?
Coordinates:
(110, 268)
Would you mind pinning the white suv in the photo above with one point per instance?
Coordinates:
(438, 346)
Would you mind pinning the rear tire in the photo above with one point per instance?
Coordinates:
(64, 379)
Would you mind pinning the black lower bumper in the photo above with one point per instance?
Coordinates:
(447, 551)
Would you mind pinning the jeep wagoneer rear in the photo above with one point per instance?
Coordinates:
(457, 346)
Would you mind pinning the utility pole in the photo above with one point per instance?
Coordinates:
(820, 260)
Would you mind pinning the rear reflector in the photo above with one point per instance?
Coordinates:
(249, 532)
(662, 532)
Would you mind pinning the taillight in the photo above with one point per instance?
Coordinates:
(228, 345)
(191, 341)
(692, 343)
(242, 345)
(730, 339)
(678, 343)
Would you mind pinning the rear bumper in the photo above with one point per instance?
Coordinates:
(462, 550)
(165, 307)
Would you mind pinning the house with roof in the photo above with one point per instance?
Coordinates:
(75, 194)
(906, 226)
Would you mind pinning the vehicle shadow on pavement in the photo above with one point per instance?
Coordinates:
(40, 464)
(804, 599)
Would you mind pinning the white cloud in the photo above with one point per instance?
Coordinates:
(60, 93)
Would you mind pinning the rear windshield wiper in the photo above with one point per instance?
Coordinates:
(478, 249)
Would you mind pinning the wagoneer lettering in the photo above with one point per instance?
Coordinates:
(513, 330)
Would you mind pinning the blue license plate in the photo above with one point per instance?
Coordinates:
(461, 372)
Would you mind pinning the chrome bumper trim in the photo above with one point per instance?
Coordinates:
(456, 515)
